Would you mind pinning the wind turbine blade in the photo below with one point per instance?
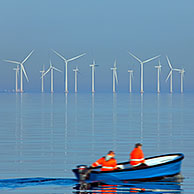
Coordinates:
(12, 62)
(46, 72)
(179, 70)
(169, 62)
(135, 57)
(168, 75)
(116, 76)
(22, 68)
(148, 60)
(59, 55)
(115, 64)
(57, 69)
(51, 64)
(76, 57)
(159, 63)
(27, 57)
(183, 71)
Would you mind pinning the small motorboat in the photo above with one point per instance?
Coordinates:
(158, 167)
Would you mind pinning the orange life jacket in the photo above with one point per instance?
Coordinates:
(109, 165)
(136, 157)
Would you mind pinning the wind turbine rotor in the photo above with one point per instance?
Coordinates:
(22, 69)
(115, 64)
(9, 61)
(179, 70)
(46, 72)
(76, 57)
(27, 57)
(170, 73)
(59, 55)
(169, 62)
(56, 69)
(135, 57)
(148, 60)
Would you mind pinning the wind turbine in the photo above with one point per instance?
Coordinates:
(51, 69)
(170, 73)
(142, 63)
(66, 62)
(115, 78)
(16, 77)
(76, 70)
(93, 75)
(182, 71)
(22, 70)
(158, 67)
(42, 78)
(130, 80)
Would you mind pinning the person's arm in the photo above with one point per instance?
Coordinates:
(97, 163)
(142, 156)
(114, 165)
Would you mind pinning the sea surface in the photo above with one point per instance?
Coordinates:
(44, 136)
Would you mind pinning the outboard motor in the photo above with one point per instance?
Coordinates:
(83, 174)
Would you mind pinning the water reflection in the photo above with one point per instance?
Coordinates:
(158, 122)
(66, 130)
(141, 118)
(114, 118)
(19, 128)
(162, 187)
(93, 123)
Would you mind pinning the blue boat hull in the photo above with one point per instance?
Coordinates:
(140, 174)
(153, 172)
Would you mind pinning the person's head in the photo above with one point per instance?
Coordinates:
(111, 153)
(138, 145)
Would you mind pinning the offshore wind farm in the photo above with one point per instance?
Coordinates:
(114, 69)
(80, 79)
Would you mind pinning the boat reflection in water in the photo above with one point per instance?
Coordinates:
(170, 185)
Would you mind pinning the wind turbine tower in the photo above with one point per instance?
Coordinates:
(51, 69)
(66, 63)
(76, 70)
(22, 69)
(142, 64)
(42, 79)
(158, 67)
(170, 73)
(182, 71)
(182, 77)
(130, 80)
(115, 78)
(93, 75)
(16, 77)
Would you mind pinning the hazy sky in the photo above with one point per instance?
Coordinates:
(105, 30)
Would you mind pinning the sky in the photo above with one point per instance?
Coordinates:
(106, 30)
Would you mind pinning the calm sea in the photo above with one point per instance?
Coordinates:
(44, 136)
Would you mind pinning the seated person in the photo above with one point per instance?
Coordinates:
(137, 157)
(107, 162)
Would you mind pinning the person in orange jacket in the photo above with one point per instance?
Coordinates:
(137, 157)
(107, 162)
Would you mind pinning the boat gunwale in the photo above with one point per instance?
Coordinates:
(180, 157)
